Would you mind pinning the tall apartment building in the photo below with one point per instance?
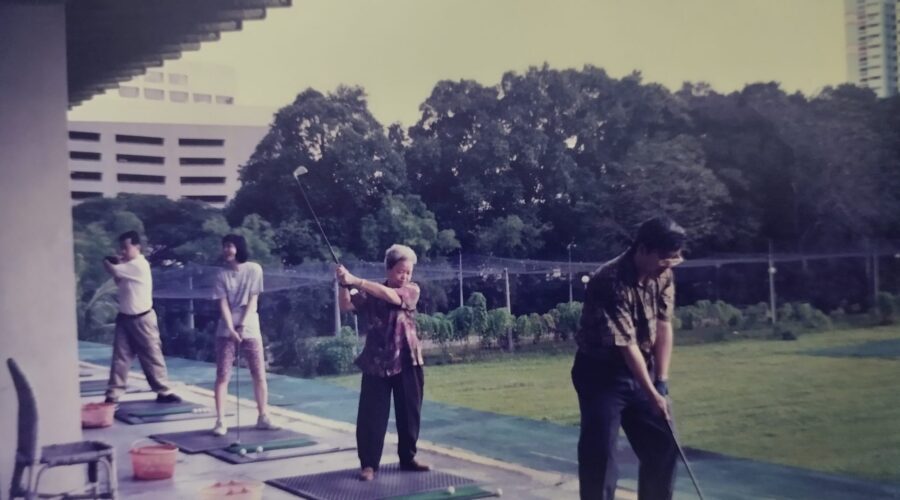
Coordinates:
(871, 31)
(175, 131)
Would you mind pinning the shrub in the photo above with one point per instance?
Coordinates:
(335, 355)
(568, 318)
(886, 307)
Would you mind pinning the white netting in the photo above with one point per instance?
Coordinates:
(196, 282)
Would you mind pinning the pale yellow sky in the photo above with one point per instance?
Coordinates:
(398, 49)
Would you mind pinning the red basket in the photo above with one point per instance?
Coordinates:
(94, 415)
(156, 461)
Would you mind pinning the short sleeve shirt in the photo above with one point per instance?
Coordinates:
(390, 332)
(237, 286)
(134, 283)
(619, 311)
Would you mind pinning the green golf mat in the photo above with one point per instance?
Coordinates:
(469, 492)
(280, 444)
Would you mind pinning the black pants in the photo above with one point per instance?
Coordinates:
(374, 412)
(609, 397)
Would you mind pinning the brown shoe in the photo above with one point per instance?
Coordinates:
(414, 466)
(367, 474)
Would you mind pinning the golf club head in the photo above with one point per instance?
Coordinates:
(301, 170)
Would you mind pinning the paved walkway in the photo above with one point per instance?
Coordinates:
(537, 445)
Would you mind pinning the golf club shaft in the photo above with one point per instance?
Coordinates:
(238, 389)
(684, 459)
(316, 218)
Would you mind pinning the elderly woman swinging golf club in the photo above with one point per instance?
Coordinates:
(391, 361)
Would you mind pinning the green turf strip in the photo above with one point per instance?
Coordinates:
(271, 445)
(167, 411)
(461, 493)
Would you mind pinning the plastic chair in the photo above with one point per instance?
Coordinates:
(89, 453)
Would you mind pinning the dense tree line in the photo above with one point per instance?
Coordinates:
(526, 167)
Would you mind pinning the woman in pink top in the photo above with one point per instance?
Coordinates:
(237, 290)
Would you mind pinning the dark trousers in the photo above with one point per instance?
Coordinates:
(609, 397)
(375, 408)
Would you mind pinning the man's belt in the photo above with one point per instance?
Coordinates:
(136, 316)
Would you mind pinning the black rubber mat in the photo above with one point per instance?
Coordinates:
(299, 449)
(390, 482)
(149, 411)
(202, 440)
(95, 387)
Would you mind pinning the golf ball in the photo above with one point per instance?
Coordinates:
(499, 492)
(451, 490)
(242, 451)
(259, 449)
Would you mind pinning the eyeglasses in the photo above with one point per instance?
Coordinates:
(672, 261)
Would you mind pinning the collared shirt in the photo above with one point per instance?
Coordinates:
(390, 332)
(620, 311)
(134, 284)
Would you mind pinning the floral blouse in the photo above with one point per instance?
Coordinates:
(390, 332)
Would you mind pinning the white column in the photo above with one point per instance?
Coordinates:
(37, 276)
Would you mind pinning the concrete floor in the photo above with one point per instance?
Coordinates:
(195, 472)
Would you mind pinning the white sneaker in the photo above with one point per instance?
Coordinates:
(220, 429)
(263, 423)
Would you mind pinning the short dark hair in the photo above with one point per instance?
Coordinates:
(240, 244)
(133, 237)
(660, 234)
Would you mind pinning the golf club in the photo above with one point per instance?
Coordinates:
(684, 459)
(301, 170)
(238, 391)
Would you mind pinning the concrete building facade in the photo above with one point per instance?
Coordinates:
(199, 162)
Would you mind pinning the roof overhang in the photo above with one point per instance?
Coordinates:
(111, 41)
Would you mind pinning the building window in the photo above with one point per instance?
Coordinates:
(84, 136)
(201, 142)
(138, 139)
(155, 94)
(86, 176)
(129, 91)
(178, 96)
(150, 160)
(154, 76)
(203, 180)
(201, 161)
(83, 195)
(208, 198)
(84, 155)
(202, 98)
(177, 79)
(224, 99)
(141, 179)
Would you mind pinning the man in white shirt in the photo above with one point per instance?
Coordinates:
(137, 332)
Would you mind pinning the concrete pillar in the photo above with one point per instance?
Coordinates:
(37, 277)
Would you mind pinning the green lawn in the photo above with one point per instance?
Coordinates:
(760, 399)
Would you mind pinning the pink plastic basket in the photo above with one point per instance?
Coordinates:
(155, 461)
(95, 415)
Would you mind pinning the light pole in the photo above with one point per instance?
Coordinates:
(569, 248)
(585, 279)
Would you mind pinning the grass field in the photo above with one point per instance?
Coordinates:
(761, 399)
